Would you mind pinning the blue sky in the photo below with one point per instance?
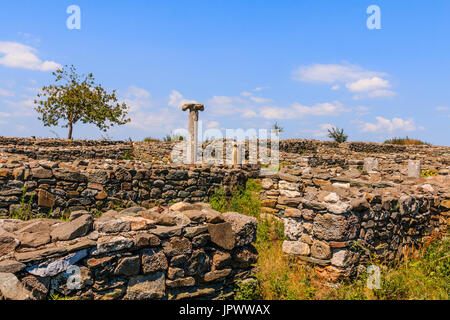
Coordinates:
(305, 64)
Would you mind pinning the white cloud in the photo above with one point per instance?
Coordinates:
(145, 116)
(442, 108)
(386, 125)
(330, 73)
(177, 100)
(335, 87)
(17, 55)
(355, 78)
(6, 93)
(212, 124)
(367, 84)
(261, 88)
(260, 100)
(381, 94)
(297, 111)
(137, 98)
(21, 108)
(323, 130)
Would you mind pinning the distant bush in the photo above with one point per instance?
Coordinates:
(406, 141)
(173, 137)
(337, 134)
(150, 139)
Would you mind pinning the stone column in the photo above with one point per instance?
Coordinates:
(193, 127)
(414, 169)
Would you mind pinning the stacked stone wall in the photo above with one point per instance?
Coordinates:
(186, 252)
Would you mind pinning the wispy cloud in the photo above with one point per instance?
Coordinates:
(6, 93)
(177, 100)
(390, 125)
(367, 84)
(17, 55)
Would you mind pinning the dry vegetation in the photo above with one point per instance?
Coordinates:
(424, 274)
(406, 141)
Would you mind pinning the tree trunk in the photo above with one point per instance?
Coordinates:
(70, 131)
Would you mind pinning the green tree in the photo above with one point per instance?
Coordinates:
(76, 98)
(278, 129)
(337, 134)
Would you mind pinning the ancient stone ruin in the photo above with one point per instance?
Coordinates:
(340, 204)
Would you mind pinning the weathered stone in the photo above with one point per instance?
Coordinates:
(11, 288)
(216, 275)
(147, 240)
(359, 205)
(77, 213)
(293, 229)
(35, 255)
(320, 250)
(146, 287)
(177, 246)
(128, 266)
(222, 235)
(99, 262)
(181, 282)
(167, 231)
(153, 260)
(308, 214)
(332, 198)
(41, 173)
(38, 287)
(343, 258)
(244, 227)
(338, 208)
(335, 227)
(293, 213)
(221, 259)
(295, 248)
(266, 183)
(11, 266)
(33, 240)
(112, 226)
(8, 242)
(73, 229)
(270, 203)
(244, 257)
(111, 244)
(173, 273)
(45, 199)
(191, 232)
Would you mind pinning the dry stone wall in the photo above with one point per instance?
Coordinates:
(185, 251)
(54, 189)
(338, 222)
(65, 150)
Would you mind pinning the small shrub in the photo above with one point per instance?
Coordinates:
(150, 139)
(337, 135)
(247, 290)
(173, 137)
(24, 211)
(429, 173)
(128, 155)
(406, 141)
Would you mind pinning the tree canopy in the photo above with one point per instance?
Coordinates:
(75, 98)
